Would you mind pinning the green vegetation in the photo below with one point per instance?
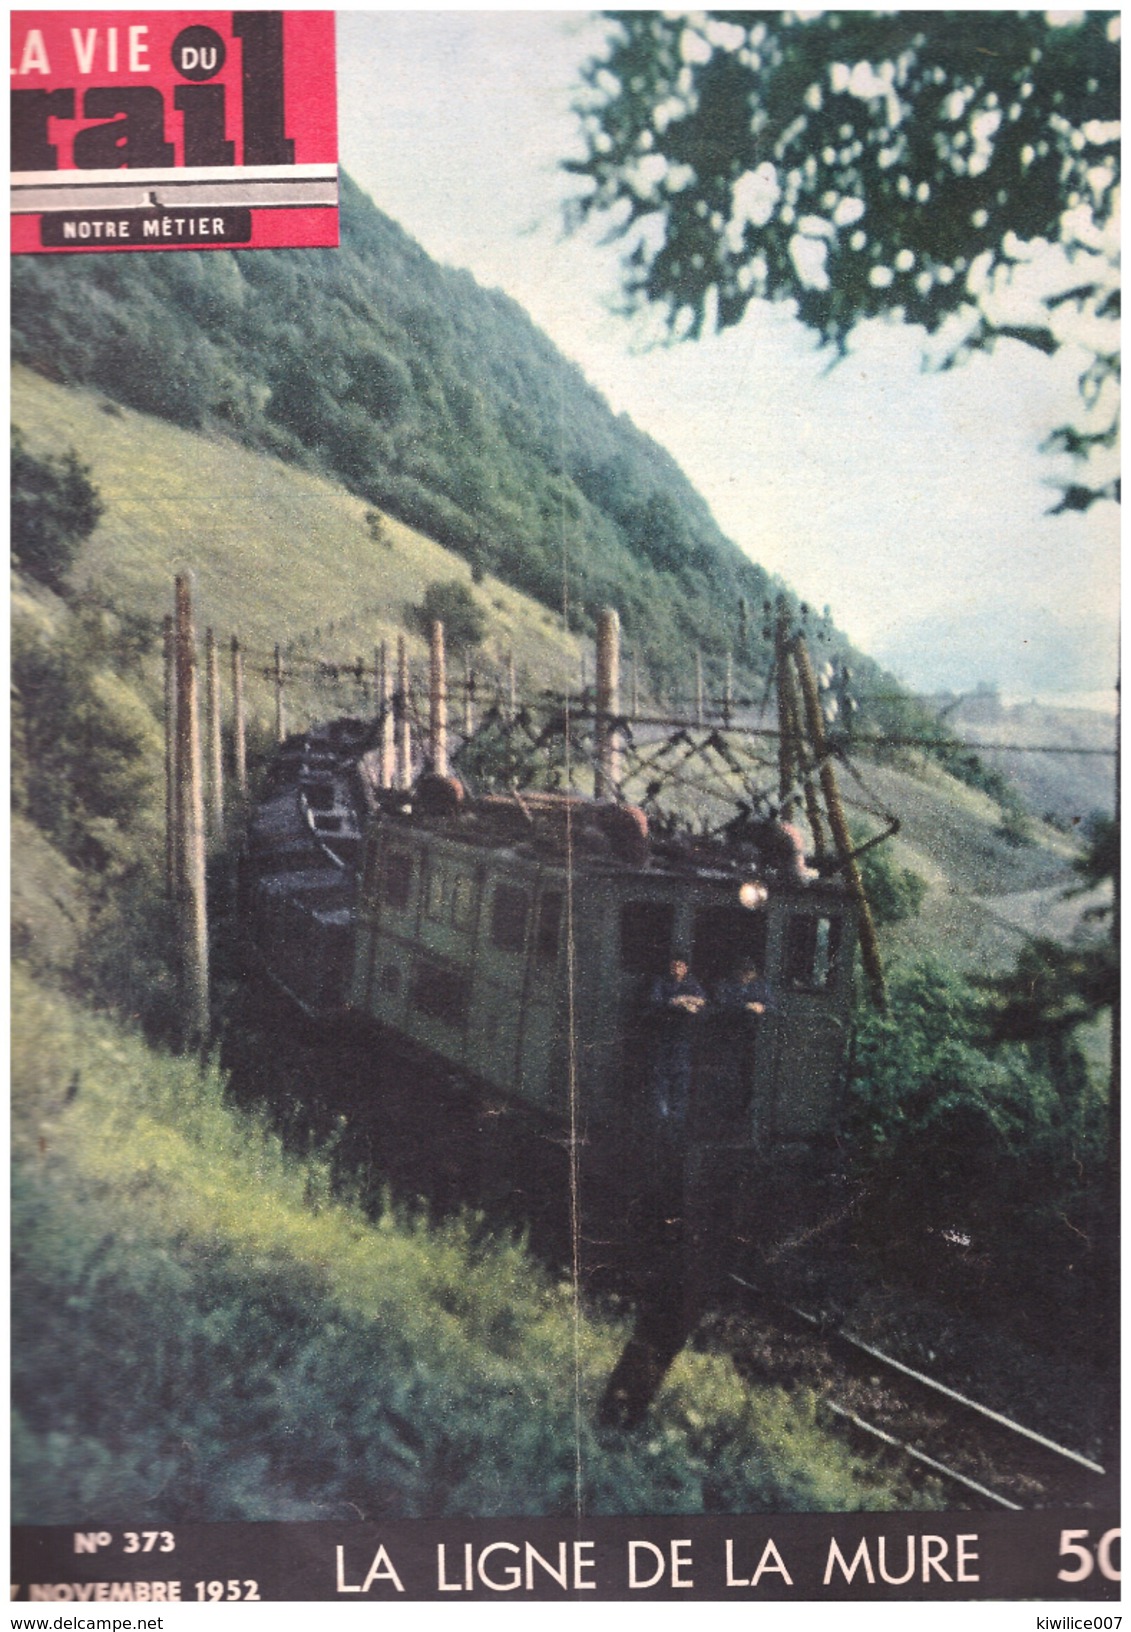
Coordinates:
(444, 412)
(250, 1346)
(865, 164)
(289, 557)
(906, 145)
(453, 605)
(954, 1129)
(430, 399)
(88, 747)
(894, 893)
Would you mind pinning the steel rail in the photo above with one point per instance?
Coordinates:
(916, 1455)
(931, 1384)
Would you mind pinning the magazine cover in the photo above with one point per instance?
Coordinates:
(564, 631)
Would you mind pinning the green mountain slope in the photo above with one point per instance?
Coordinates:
(423, 394)
(279, 554)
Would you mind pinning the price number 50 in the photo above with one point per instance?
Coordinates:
(1074, 1544)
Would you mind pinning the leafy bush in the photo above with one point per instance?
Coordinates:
(453, 604)
(894, 893)
(378, 528)
(89, 748)
(951, 1133)
(1016, 828)
(54, 506)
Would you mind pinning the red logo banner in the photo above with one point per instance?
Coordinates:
(173, 130)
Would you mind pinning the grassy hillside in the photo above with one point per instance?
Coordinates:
(278, 553)
(206, 1330)
(421, 393)
(438, 403)
(985, 891)
(1067, 787)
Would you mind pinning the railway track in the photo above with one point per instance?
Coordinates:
(983, 1457)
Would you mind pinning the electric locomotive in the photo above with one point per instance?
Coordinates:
(517, 939)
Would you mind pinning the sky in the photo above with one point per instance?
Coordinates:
(912, 502)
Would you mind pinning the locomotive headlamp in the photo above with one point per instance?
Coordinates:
(752, 894)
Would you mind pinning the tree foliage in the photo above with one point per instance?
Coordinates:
(86, 746)
(894, 893)
(54, 506)
(454, 605)
(855, 163)
(858, 164)
(953, 1132)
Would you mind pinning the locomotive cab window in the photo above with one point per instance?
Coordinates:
(450, 897)
(549, 921)
(724, 939)
(812, 945)
(646, 936)
(508, 918)
(396, 878)
(463, 900)
(435, 895)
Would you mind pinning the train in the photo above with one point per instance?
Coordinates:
(516, 939)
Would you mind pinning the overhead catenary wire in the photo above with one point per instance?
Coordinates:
(715, 712)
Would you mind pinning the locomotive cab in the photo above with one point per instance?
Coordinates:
(519, 940)
(533, 977)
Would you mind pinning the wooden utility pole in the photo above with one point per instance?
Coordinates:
(791, 741)
(385, 763)
(239, 721)
(869, 946)
(192, 906)
(172, 829)
(400, 709)
(438, 700)
(607, 776)
(788, 719)
(699, 688)
(634, 692)
(728, 690)
(215, 748)
(280, 710)
(468, 698)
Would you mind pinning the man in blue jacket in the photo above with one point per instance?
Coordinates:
(677, 1000)
(747, 993)
(742, 1004)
